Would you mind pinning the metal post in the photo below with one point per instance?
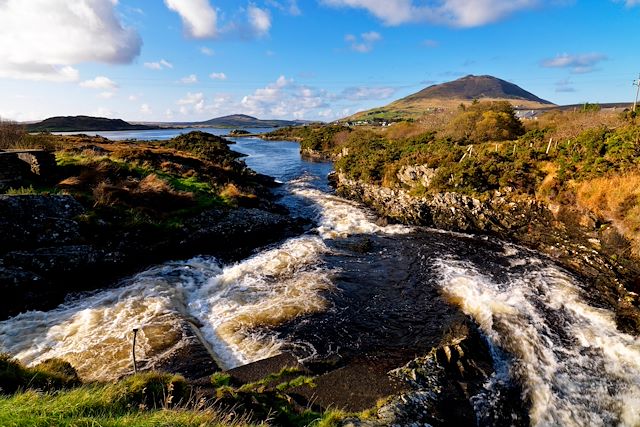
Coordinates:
(133, 350)
(636, 83)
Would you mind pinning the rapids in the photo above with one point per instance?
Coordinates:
(352, 288)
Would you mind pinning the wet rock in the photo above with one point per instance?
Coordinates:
(575, 238)
(444, 388)
(63, 260)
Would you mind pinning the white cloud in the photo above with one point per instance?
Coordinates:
(456, 13)
(364, 43)
(106, 95)
(189, 80)
(259, 20)
(284, 98)
(145, 109)
(198, 16)
(43, 39)
(195, 101)
(100, 82)
(132, 98)
(158, 65)
(367, 93)
(103, 112)
(291, 6)
(218, 76)
(579, 64)
(207, 51)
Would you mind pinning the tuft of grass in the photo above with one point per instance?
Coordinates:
(53, 374)
(220, 379)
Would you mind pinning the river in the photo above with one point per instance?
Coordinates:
(356, 288)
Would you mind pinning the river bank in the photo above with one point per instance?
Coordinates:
(108, 209)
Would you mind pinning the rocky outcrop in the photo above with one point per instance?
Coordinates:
(50, 248)
(445, 385)
(577, 239)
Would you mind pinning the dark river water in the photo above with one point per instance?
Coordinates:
(352, 288)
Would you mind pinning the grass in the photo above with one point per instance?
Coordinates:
(616, 197)
(121, 404)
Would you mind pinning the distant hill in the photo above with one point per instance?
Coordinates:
(476, 87)
(244, 121)
(83, 124)
(451, 94)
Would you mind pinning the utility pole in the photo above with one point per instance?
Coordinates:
(637, 84)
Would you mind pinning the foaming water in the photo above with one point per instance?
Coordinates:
(94, 333)
(576, 368)
(338, 217)
(238, 306)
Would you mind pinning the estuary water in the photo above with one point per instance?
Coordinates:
(356, 288)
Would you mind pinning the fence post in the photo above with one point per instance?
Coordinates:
(133, 350)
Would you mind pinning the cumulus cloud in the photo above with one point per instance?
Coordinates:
(364, 43)
(218, 76)
(284, 98)
(100, 82)
(456, 13)
(189, 80)
(579, 64)
(200, 19)
(158, 65)
(259, 20)
(43, 39)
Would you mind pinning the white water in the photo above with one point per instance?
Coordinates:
(236, 304)
(576, 368)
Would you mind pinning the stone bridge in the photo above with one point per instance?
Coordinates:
(16, 166)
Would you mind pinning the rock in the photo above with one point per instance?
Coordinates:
(34, 221)
(64, 260)
(571, 236)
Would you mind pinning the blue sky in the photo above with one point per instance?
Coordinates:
(183, 60)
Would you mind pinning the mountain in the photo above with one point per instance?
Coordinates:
(83, 124)
(476, 87)
(244, 121)
(451, 94)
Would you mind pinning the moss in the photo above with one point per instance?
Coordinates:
(220, 379)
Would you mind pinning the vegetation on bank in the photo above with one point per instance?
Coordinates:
(155, 183)
(51, 394)
(579, 156)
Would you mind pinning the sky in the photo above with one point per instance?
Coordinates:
(187, 60)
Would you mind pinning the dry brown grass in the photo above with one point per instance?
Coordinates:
(565, 125)
(616, 198)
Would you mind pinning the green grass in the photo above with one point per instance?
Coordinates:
(104, 405)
